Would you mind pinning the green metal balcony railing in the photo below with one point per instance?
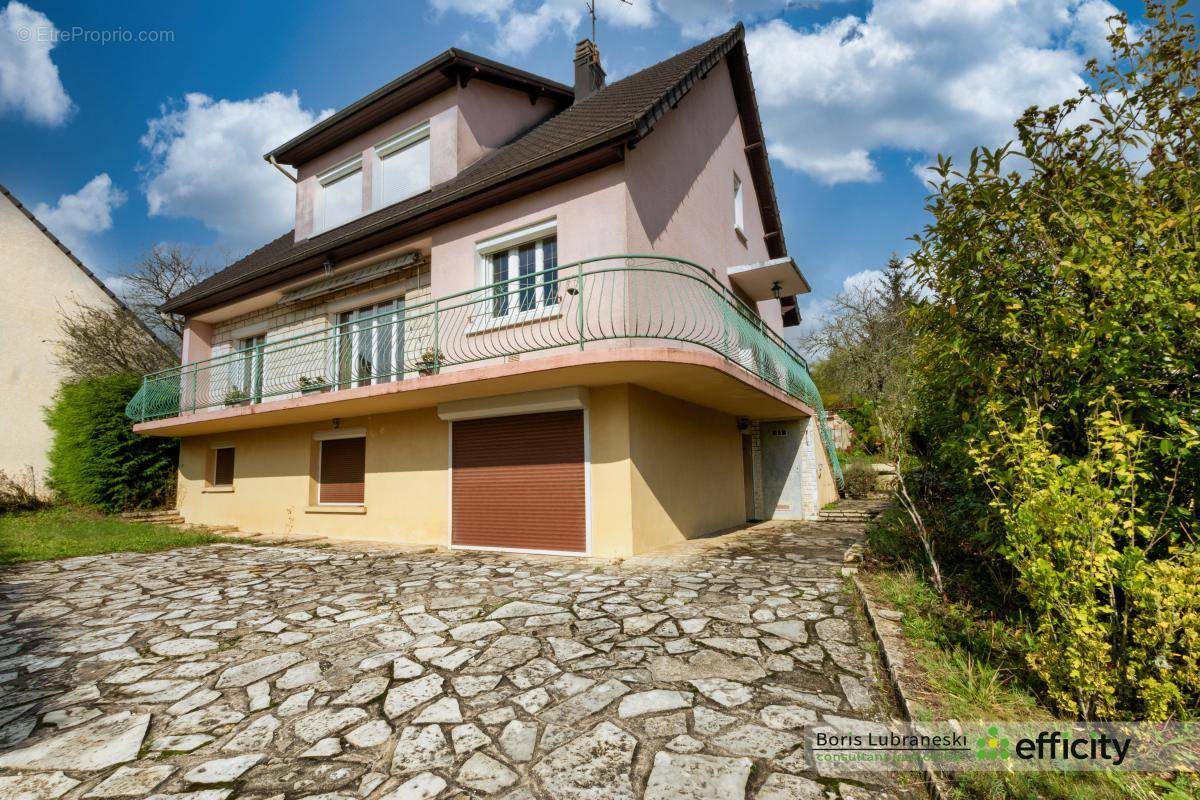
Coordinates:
(561, 307)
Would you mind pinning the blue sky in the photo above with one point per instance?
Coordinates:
(125, 144)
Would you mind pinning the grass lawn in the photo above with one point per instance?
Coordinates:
(969, 673)
(66, 532)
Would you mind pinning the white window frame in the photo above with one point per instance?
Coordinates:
(248, 356)
(345, 433)
(329, 177)
(388, 147)
(739, 205)
(398, 339)
(512, 242)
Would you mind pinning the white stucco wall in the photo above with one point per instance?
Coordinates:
(37, 281)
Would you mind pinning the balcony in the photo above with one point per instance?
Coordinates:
(609, 303)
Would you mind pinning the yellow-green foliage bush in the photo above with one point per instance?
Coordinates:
(1059, 349)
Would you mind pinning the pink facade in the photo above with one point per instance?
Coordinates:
(465, 123)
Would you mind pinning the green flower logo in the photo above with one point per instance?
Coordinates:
(992, 746)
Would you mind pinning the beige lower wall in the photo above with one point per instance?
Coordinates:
(406, 490)
(687, 470)
(661, 471)
(827, 491)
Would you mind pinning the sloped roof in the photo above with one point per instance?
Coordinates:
(74, 260)
(621, 112)
(433, 77)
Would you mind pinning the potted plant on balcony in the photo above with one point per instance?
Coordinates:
(236, 396)
(429, 362)
(312, 385)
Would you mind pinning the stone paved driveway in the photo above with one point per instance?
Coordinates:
(238, 671)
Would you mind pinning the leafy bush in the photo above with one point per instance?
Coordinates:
(1058, 344)
(860, 480)
(96, 459)
(1117, 624)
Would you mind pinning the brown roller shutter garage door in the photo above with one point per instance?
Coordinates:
(518, 482)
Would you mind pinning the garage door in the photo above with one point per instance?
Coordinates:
(518, 482)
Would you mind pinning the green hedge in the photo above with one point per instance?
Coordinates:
(96, 459)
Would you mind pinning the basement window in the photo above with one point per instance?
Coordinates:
(221, 476)
(341, 469)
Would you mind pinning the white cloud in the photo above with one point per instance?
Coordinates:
(925, 76)
(521, 25)
(29, 82)
(702, 19)
(205, 163)
(77, 216)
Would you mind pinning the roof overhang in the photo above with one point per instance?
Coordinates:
(767, 280)
(435, 76)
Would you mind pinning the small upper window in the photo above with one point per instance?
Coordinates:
(222, 474)
(341, 196)
(739, 213)
(404, 166)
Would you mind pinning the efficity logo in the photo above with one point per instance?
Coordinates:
(992, 746)
(1053, 746)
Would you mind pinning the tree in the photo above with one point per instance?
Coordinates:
(162, 274)
(1059, 354)
(869, 348)
(98, 341)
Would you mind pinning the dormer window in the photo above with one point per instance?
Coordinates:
(403, 166)
(340, 197)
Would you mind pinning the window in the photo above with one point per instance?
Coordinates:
(403, 166)
(340, 196)
(246, 372)
(739, 212)
(222, 473)
(524, 276)
(370, 344)
(342, 470)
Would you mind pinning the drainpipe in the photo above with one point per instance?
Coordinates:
(271, 160)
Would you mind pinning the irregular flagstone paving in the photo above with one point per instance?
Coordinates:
(254, 672)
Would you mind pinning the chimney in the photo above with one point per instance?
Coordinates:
(589, 75)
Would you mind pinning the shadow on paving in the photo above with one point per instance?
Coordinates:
(287, 671)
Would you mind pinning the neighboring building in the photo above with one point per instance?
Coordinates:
(452, 348)
(40, 279)
(843, 433)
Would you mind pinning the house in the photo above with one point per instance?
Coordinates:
(40, 280)
(455, 347)
(841, 429)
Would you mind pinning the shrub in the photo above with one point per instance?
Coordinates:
(19, 492)
(96, 459)
(860, 480)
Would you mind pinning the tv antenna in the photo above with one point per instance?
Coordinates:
(591, 7)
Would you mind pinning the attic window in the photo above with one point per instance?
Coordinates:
(404, 166)
(340, 195)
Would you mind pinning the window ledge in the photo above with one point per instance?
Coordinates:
(217, 490)
(336, 510)
(486, 324)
